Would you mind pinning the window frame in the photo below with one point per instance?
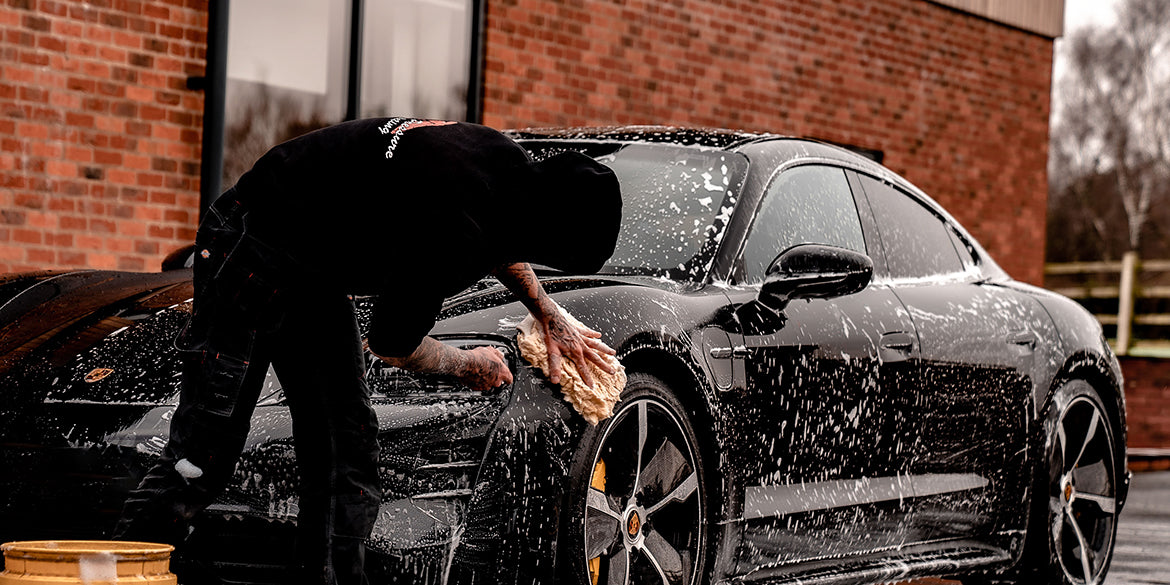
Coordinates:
(214, 84)
(861, 206)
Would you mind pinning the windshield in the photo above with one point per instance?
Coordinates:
(676, 205)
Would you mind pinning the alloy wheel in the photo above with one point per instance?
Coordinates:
(644, 508)
(1083, 492)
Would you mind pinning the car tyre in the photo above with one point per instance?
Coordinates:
(638, 500)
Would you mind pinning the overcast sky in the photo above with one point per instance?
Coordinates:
(1079, 13)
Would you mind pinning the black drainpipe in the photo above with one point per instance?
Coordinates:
(475, 75)
(354, 82)
(214, 85)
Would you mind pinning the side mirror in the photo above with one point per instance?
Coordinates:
(814, 271)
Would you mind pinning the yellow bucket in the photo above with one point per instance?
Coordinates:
(86, 562)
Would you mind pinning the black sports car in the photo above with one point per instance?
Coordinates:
(830, 381)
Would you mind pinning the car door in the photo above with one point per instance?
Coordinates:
(816, 443)
(968, 417)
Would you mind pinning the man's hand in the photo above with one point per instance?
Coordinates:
(483, 369)
(580, 344)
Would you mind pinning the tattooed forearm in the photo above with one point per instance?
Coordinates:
(431, 357)
(521, 280)
(482, 368)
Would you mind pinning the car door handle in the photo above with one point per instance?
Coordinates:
(900, 341)
(722, 353)
(1025, 339)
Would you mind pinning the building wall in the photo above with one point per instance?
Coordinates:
(957, 103)
(99, 135)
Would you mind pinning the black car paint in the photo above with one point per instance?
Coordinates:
(476, 482)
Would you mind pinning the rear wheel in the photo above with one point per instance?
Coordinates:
(1082, 488)
(1074, 520)
(639, 507)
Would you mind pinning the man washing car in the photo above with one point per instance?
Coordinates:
(409, 211)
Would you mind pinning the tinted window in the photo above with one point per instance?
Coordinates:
(917, 242)
(804, 205)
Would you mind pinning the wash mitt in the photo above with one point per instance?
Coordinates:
(596, 403)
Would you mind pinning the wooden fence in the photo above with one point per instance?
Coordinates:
(1091, 282)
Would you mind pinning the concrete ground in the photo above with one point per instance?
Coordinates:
(1142, 554)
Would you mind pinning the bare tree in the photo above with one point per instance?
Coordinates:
(265, 119)
(1112, 121)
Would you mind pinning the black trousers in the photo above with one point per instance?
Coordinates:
(251, 311)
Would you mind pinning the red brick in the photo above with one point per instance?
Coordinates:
(41, 256)
(72, 258)
(26, 236)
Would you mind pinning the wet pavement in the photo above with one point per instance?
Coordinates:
(1142, 553)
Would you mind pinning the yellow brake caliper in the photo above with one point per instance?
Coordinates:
(598, 483)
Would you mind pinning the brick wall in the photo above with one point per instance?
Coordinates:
(1147, 395)
(958, 104)
(99, 136)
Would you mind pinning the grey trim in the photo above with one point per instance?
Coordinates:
(769, 501)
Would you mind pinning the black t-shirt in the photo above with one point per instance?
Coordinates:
(399, 208)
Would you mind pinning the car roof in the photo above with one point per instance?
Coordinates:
(717, 138)
(701, 137)
(777, 148)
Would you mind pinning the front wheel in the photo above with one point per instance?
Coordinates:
(638, 505)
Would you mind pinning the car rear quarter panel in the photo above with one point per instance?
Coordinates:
(1075, 348)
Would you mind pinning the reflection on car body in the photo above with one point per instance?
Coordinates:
(830, 381)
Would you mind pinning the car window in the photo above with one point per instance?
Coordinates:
(804, 205)
(917, 242)
(675, 205)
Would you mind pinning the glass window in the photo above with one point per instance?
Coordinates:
(288, 68)
(916, 241)
(676, 202)
(416, 58)
(804, 205)
(287, 74)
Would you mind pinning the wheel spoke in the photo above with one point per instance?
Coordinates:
(665, 559)
(1086, 565)
(1095, 478)
(679, 494)
(1062, 442)
(666, 468)
(1057, 528)
(597, 500)
(1107, 504)
(643, 428)
(600, 534)
(1088, 438)
(619, 567)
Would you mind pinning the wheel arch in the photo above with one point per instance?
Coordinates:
(1104, 375)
